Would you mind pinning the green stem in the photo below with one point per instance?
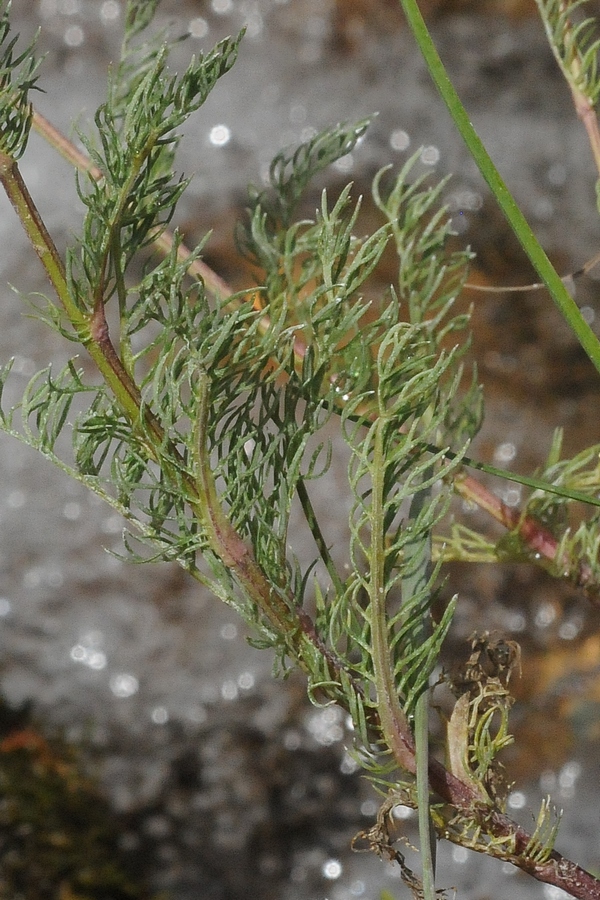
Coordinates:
(83, 323)
(418, 560)
(394, 725)
(515, 217)
(319, 539)
(222, 536)
(121, 289)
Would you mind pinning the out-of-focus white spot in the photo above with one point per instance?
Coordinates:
(348, 765)
(569, 630)
(109, 11)
(465, 199)
(568, 775)
(505, 452)
(516, 621)
(198, 27)
(5, 606)
(326, 725)
(229, 689)
(588, 314)
(97, 660)
(112, 524)
(516, 800)
(430, 156)
(74, 36)
(219, 135)
(124, 684)
(16, 499)
(72, 511)
(399, 140)
(548, 781)
(544, 209)
(254, 24)
(159, 715)
(512, 495)
(545, 615)
(460, 855)
(229, 631)
(88, 654)
(332, 869)
(221, 7)
(246, 681)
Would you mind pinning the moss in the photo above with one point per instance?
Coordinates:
(59, 839)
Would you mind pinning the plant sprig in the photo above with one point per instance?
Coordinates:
(207, 427)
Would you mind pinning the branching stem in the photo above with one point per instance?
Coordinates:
(540, 540)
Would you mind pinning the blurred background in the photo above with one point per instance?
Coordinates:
(211, 780)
